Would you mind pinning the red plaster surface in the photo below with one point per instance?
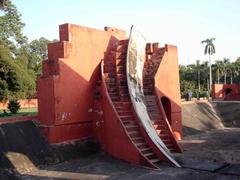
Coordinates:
(65, 90)
(218, 92)
(167, 85)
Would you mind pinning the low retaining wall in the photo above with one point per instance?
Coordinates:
(24, 103)
(17, 119)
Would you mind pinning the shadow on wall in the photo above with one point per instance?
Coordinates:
(172, 111)
(68, 106)
(167, 108)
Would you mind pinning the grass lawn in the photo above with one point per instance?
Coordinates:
(21, 112)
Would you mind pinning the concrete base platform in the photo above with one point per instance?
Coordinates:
(199, 164)
(233, 169)
(104, 167)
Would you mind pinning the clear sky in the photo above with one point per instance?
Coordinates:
(184, 23)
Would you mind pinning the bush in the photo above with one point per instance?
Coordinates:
(13, 106)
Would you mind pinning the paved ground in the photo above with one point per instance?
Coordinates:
(212, 155)
(209, 152)
(221, 145)
(105, 167)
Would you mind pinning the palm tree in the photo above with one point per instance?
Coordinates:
(237, 69)
(226, 63)
(231, 71)
(219, 69)
(210, 50)
(204, 69)
(198, 69)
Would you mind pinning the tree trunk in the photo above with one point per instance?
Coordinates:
(225, 78)
(210, 74)
(207, 85)
(199, 81)
(218, 76)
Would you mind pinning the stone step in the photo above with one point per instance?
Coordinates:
(146, 150)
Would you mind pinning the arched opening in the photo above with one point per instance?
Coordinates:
(167, 108)
(227, 91)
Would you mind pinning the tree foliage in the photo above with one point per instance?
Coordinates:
(37, 53)
(209, 48)
(11, 26)
(20, 61)
(16, 81)
(195, 77)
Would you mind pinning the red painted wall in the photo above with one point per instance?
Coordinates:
(66, 87)
(168, 85)
(24, 103)
(218, 92)
(65, 90)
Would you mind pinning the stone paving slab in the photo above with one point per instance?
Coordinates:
(233, 169)
(200, 164)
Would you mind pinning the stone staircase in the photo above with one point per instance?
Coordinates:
(154, 56)
(116, 81)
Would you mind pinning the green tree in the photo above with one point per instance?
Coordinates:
(237, 70)
(209, 49)
(16, 81)
(226, 63)
(198, 69)
(11, 26)
(37, 53)
(219, 68)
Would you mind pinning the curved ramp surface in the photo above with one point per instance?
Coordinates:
(135, 65)
(22, 147)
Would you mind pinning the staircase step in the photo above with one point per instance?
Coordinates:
(113, 94)
(110, 80)
(119, 55)
(125, 99)
(129, 122)
(130, 128)
(123, 88)
(120, 48)
(123, 76)
(120, 67)
(124, 95)
(167, 142)
(109, 75)
(164, 138)
(154, 161)
(121, 62)
(122, 112)
(121, 83)
(133, 134)
(123, 42)
(111, 84)
(137, 138)
(121, 71)
(114, 98)
(145, 150)
(127, 117)
(141, 145)
(123, 104)
(149, 154)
